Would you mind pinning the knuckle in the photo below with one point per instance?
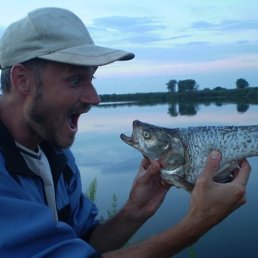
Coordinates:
(155, 166)
(240, 192)
(201, 181)
(243, 201)
(213, 165)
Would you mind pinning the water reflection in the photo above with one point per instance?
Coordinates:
(179, 108)
(242, 108)
(191, 109)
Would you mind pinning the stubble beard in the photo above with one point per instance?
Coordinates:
(40, 123)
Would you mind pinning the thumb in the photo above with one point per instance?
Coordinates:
(212, 163)
(155, 167)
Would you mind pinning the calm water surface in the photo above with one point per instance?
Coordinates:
(101, 154)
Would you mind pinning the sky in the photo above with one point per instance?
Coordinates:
(213, 42)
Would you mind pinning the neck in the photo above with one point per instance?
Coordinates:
(11, 114)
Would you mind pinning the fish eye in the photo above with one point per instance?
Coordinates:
(146, 134)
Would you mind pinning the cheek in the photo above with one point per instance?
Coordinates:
(56, 106)
(146, 148)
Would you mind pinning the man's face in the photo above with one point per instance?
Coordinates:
(61, 94)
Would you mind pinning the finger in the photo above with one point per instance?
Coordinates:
(244, 173)
(212, 164)
(154, 167)
(165, 184)
(149, 167)
(146, 163)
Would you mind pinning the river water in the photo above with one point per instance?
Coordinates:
(102, 155)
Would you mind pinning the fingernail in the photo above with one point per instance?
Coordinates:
(215, 154)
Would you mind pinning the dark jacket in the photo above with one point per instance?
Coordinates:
(27, 227)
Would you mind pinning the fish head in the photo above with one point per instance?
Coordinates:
(156, 143)
(147, 139)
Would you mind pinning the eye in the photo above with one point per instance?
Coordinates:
(77, 79)
(146, 134)
(74, 81)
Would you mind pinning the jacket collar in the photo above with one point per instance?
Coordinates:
(15, 163)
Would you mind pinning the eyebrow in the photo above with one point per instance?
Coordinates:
(83, 68)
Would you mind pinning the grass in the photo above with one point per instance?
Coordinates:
(91, 194)
(191, 252)
(113, 209)
(92, 190)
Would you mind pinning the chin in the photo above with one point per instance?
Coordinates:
(62, 143)
(66, 144)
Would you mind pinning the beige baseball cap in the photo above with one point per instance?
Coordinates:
(54, 34)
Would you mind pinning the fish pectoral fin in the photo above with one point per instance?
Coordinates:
(224, 175)
(177, 181)
(182, 183)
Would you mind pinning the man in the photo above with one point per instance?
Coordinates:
(48, 60)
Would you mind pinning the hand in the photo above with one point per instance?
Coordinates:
(148, 190)
(211, 201)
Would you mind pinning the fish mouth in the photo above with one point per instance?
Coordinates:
(130, 140)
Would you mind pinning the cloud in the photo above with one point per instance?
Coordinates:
(130, 30)
(126, 23)
(196, 51)
(150, 32)
(238, 64)
(225, 25)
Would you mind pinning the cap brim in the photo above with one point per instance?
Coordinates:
(88, 55)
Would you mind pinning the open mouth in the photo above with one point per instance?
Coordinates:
(126, 139)
(130, 140)
(73, 116)
(73, 121)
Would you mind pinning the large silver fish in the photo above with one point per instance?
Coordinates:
(183, 151)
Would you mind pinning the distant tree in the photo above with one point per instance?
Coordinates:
(187, 85)
(219, 88)
(241, 83)
(171, 85)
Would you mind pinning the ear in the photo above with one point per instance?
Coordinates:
(19, 77)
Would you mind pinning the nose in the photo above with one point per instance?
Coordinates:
(90, 96)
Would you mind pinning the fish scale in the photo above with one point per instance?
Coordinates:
(183, 151)
(234, 142)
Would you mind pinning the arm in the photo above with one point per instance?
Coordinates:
(211, 202)
(146, 196)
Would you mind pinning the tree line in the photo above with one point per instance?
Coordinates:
(187, 90)
(192, 85)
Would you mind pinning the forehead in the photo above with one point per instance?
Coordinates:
(90, 69)
(68, 68)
